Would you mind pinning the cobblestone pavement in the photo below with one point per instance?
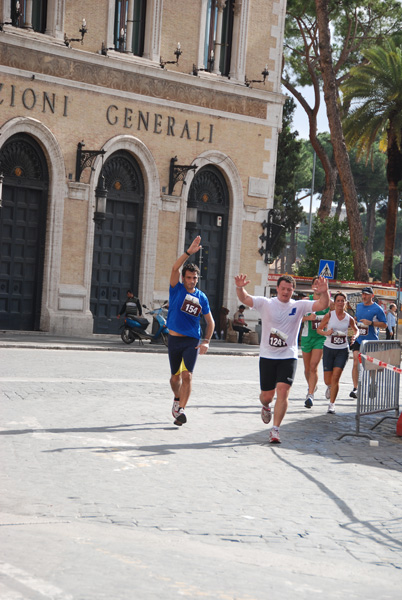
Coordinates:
(103, 497)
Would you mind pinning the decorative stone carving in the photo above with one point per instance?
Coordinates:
(70, 68)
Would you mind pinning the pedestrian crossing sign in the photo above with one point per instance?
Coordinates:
(327, 269)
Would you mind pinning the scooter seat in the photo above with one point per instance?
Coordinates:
(135, 321)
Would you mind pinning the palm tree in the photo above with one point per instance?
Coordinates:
(375, 93)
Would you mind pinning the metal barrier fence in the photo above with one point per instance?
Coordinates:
(379, 375)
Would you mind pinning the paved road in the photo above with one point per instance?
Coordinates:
(103, 498)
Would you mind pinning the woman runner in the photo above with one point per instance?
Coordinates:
(334, 327)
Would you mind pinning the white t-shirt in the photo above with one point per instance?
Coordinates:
(280, 325)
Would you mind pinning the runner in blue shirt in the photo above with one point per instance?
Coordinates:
(369, 318)
(186, 305)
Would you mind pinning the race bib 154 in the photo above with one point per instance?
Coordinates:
(191, 306)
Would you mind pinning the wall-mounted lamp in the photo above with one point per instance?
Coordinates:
(100, 200)
(82, 31)
(84, 159)
(271, 232)
(1, 189)
(17, 14)
(178, 52)
(191, 218)
(209, 69)
(264, 73)
(121, 44)
(178, 173)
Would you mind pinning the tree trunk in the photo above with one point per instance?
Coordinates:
(390, 233)
(370, 231)
(331, 175)
(293, 248)
(338, 143)
(338, 210)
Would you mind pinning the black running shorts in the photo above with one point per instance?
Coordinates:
(273, 371)
(182, 353)
(334, 357)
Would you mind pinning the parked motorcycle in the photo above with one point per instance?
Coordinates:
(134, 327)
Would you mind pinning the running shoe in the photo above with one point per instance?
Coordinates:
(175, 408)
(353, 393)
(181, 418)
(309, 401)
(331, 408)
(328, 392)
(274, 436)
(266, 414)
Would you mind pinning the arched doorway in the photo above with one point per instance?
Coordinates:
(22, 232)
(207, 216)
(117, 243)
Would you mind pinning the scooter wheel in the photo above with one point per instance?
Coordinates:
(164, 338)
(127, 336)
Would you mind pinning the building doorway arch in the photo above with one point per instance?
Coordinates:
(208, 216)
(22, 232)
(117, 243)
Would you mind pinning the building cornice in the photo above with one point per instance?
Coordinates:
(135, 76)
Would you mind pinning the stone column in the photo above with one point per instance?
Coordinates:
(221, 6)
(28, 15)
(235, 40)
(129, 32)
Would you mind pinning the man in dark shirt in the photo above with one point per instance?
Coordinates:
(131, 307)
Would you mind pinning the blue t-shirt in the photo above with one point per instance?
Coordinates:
(185, 310)
(369, 312)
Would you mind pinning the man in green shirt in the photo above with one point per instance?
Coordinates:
(312, 347)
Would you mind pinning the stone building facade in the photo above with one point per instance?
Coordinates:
(183, 147)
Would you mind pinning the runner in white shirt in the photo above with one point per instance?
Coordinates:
(281, 318)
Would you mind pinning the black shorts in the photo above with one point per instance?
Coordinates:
(182, 353)
(355, 347)
(334, 357)
(274, 371)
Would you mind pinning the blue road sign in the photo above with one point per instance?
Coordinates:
(327, 268)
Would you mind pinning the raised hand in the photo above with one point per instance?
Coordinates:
(195, 245)
(321, 285)
(241, 280)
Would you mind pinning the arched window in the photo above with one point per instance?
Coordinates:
(129, 26)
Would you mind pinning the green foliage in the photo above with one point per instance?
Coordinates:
(304, 175)
(288, 210)
(354, 26)
(329, 240)
(375, 93)
(376, 266)
(370, 178)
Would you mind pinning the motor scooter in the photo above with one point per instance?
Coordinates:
(134, 327)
